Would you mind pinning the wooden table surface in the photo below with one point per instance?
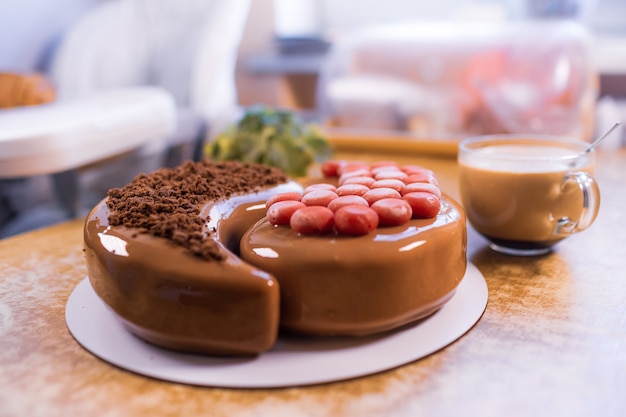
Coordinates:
(552, 341)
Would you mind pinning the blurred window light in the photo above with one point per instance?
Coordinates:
(329, 18)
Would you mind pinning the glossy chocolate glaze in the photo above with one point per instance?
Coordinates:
(344, 285)
(176, 300)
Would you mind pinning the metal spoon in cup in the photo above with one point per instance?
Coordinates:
(596, 142)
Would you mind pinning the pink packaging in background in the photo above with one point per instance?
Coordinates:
(457, 79)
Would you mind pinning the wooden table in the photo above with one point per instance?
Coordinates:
(552, 341)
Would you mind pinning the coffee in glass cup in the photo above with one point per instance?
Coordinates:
(525, 193)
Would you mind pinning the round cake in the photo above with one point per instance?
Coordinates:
(195, 259)
(342, 282)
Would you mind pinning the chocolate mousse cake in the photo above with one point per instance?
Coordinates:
(215, 258)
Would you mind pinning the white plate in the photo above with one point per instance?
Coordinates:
(293, 361)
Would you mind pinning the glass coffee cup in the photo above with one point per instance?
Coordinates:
(525, 193)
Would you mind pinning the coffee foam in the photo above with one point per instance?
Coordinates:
(523, 159)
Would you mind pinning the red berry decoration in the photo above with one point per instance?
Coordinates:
(379, 193)
(319, 198)
(352, 174)
(312, 220)
(392, 211)
(347, 200)
(320, 186)
(421, 186)
(415, 169)
(379, 164)
(392, 174)
(281, 211)
(423, 204)
(368, 196)
(330, 168)
(394, 184)
(382, 168)
(356, 220)
(282, 197)
(361, 180)
(351, 166)
(421, 177)
(352, 189)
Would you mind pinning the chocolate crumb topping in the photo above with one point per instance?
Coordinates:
(167, 202)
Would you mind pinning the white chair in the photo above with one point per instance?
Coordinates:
(187, 47)
(56, 142)
(184, 49)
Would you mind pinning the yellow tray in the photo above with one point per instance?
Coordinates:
(348, 140)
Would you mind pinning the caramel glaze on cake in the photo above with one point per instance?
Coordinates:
(346, 285)
(186, 260)
(162, 254)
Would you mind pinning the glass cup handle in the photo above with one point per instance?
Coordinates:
(591, 204)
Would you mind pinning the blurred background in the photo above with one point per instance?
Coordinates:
(93, 92)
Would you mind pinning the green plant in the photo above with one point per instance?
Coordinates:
(272, 137)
